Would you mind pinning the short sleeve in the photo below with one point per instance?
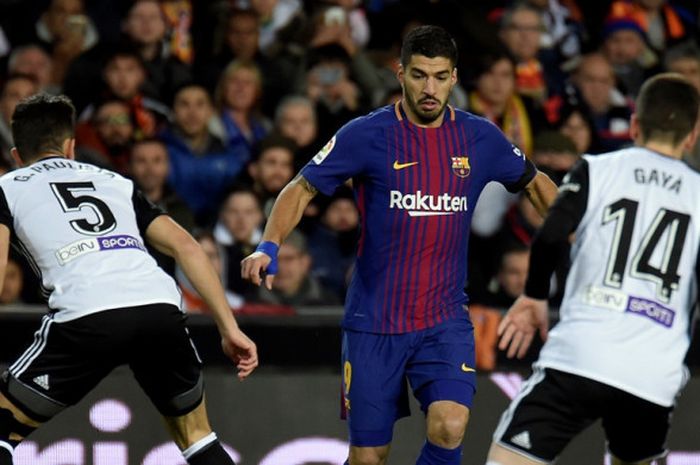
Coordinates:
(5, 214)
(508, 163)
(145, 210)
(340, 159)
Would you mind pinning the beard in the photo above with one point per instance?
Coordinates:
(425, 117)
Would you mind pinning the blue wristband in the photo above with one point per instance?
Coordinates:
(270, 249)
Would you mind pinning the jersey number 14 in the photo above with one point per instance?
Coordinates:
(623, 213)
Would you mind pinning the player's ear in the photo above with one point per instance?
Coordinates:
(400, 75)
(69, 148)
(16, 157)
(691, 138)
(635, 130)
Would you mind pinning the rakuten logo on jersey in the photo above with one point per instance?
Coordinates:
(420, 204)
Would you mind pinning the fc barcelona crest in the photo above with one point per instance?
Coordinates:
(460, 166)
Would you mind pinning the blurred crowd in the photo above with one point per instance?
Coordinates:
(211, 107)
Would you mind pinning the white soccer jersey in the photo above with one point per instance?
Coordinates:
(80, 228)
(632, 286)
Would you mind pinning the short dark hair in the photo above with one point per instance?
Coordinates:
(667, 108)
(430, 41)
(41, 123)
(275, 140)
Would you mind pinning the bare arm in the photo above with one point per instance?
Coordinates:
(542, 192)
(4, 250)
(285, 215)
(169, 238)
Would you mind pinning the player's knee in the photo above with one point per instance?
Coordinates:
(368, 455)
(446, 426)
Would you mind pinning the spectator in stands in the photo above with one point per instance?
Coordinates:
(509, 281)
(238, 96)
(333, 242)
(124, 76)
(13, 283)
(149, 168)
(624, 45)
(562, 33)
(239, 41)
(555, 154)
(238, 232)
(684, 59)
(66, 32)
(15, 88)
(329, 85)
(33, 61)
(105, 140)
(575, 122)
(332, 39)
(202, 164)
(295, 118)
(278, 20)
(144, 35)
(495, 97)
(664, 25)
(272, 169)
(595, 81)
(191, 300)
(294, 285)
(520, 31)
(146, 28)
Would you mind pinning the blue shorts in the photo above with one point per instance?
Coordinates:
(438, 363)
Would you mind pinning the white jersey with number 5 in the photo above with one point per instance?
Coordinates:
(81, 228)
(632, 286)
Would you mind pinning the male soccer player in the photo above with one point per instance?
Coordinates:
(417, 169)
(617, 353)
(83, 229)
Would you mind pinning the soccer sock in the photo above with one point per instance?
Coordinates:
(5, 453)
(436, 455)
(206, 451)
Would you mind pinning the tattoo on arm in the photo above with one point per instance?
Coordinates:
(301, 180)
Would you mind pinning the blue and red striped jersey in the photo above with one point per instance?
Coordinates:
(416, 189)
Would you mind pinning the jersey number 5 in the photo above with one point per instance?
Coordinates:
(667, 224)
(66, 192)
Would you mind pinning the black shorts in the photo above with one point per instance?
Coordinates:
(553, 406)
(67, 360)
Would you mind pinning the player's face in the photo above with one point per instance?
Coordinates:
(427, 83)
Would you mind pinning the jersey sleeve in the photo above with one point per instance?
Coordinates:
(340, 159)
(552, 240)
(145, 210)
(508, 163)
(5, 214)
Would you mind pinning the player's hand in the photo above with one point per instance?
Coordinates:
(517, 329)
(242, 351)
(254, 265)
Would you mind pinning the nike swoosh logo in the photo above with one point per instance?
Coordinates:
(466, 368)
(400, 166)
